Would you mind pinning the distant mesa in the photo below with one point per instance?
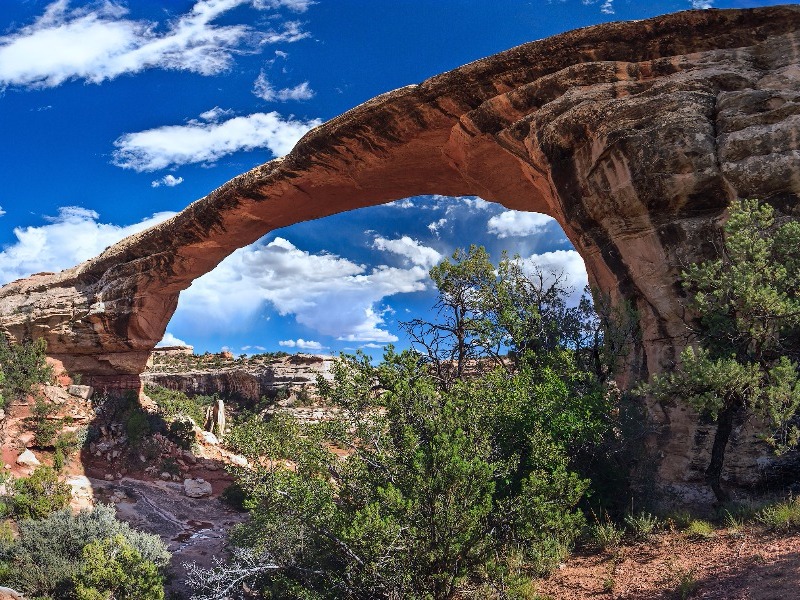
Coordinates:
(634, 136)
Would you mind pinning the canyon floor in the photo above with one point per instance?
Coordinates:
(744, 564)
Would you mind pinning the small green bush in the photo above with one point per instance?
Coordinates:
(783, 516)
(23, 366)
(181, 431)
(43, 426)
(700, 530)
(137, 427)
(48, 554)
(112, 568)
(235, 496)
(642, 525)
(687, 585)
(173, 404)
(603, 535)
(39, 495)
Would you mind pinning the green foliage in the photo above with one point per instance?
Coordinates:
(604, 533)
(173, 404)
(748, 328)
(43, 425)
(451, 468)
(112, 569)
(70, 442)
(782, 516)
(642, 525)
(699, 529)
(181, 431)
(39, 495)
(439, 487)
(687, 585)
(137, 427)
(48, 554)
(23, 366)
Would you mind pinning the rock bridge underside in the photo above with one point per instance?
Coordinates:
(634, 136)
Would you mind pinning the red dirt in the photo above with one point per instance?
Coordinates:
(746, 565)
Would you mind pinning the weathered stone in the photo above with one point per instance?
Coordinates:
(209, 438)
(239, 461)
(196, 488)
(215, 419)
(249, 381)
(634, 136)
(81, 391)
(9, 594)
(28, 459)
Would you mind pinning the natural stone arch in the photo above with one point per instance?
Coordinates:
(633, 136)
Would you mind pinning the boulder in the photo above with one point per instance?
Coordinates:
(28, 459)
(196, 488)
(81, 391)
(209, 438)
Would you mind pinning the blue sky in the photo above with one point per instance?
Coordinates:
(116, 115)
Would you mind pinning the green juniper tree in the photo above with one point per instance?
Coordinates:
(747, 348)
(449, 470)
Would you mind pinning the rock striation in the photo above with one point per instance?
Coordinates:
(634, 136)
(245, 379)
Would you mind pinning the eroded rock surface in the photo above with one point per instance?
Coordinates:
(634, 136)
(241, 379)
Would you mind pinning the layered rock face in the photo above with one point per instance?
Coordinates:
(634, 136)
(247, 380)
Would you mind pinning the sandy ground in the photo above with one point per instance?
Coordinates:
(749, 564)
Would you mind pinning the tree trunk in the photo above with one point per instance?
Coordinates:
(721, 438)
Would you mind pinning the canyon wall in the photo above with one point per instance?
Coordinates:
(634, 136)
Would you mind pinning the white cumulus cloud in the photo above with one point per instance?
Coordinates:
(301, 343)
(206, 142)
(436, 226)
(327, 293)
(264, 90)
(702, 4)
(567, 263)
(167, 180)
(98, 42)
(170, 340)
(516, 223)
(411, 249)
(73, 236)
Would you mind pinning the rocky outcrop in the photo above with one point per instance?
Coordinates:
(245, 380)
(634, 136)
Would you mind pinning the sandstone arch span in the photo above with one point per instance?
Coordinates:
(634, 136)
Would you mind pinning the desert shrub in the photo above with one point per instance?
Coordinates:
(434, 495)
(235, 496)
(39, 495)
(173, 404)
(42, 424)
(699, 529)
(113, 568)
(23, 366)
(137, 427)
(604, 533)
(70, 442)
(58, 461)
(642, 525)
(48, 554)
(181, 431)
(782, 516)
